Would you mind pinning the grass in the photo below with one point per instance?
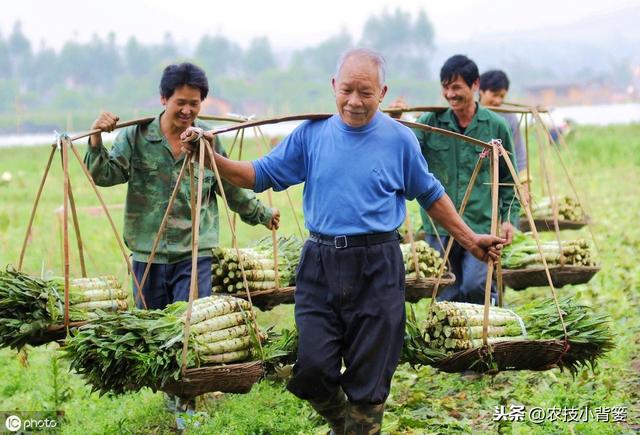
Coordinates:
(606, 168)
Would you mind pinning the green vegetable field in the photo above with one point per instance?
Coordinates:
(605, 162)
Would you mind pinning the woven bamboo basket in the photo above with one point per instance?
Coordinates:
(547, 224)
(228, 378)
(267, 299)
(416, 289)
(53, 333)
(506, 355)
(520, 279)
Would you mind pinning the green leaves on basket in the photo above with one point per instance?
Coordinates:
(143, 348)
(523, 252)
(453, 327)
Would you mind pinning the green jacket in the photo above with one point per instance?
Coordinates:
(452, 162)
(141, 156)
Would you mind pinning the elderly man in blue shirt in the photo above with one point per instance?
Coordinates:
(359, 167)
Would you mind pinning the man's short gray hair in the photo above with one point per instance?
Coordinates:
(368, 54)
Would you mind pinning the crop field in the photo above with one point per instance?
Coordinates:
(605, 164)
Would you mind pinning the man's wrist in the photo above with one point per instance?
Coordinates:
(466, 239)
(94, 145)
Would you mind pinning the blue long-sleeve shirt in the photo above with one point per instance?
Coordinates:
(356, 179)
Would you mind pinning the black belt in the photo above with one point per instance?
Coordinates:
(340, 242)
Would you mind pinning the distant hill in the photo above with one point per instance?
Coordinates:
(586, 48)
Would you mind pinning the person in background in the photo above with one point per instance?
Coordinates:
(359, 166)
(452, 162)
(494, 87)
(149, 157)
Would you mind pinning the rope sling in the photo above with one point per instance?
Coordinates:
(564, 273)
(63, 144)
(496, 151)
(521, 354)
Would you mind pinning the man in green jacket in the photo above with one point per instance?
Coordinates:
(452, 162)
(148, 158)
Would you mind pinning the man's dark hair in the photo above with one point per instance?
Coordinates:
(494, 80)
(459, 65)
(185, 73)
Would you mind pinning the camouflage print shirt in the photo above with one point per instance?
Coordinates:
(141, 155)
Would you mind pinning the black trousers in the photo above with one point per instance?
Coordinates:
(168, 283)
(349, 307)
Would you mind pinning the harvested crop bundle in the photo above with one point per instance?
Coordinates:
(429, 260)
(454, 326)
(258, 263)
(30, 305)
(523, 253)
(126, 351)
(568, 209)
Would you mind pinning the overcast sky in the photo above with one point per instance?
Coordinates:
(288, 24)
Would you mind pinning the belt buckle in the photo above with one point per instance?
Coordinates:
(337, 242)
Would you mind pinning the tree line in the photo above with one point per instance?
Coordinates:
(43, 88)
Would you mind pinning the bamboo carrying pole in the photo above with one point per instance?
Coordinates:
(548, 179)
(76, 225)
(497, 150)
(195, 243)
(109, 218)
(240, 149)
(63, 144)
(463, 205)
(274, 235)
(210, 153)
(69, 144)
(295, 216)
(439, 109)
(35, 207)
(494, 231)
(163, 226)
(414, 254)
(65, 228)
(581, 201)
(534, 232)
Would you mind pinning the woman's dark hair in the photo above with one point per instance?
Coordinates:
(182, 74)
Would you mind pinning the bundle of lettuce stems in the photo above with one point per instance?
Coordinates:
(280, 351)
(30, 305)
(454, 326)
(429, 260)
(523, 252)
(126, 351)
(568, 209)
(258, 263)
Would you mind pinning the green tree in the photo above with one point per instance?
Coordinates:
(108, 62)
(218, 55)
(259, 57)
(45, 71)
(5, 61)
(320, 60)
(19, 52)
(8, 92)
(137, 58)
(168, 51)
(405, 44)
